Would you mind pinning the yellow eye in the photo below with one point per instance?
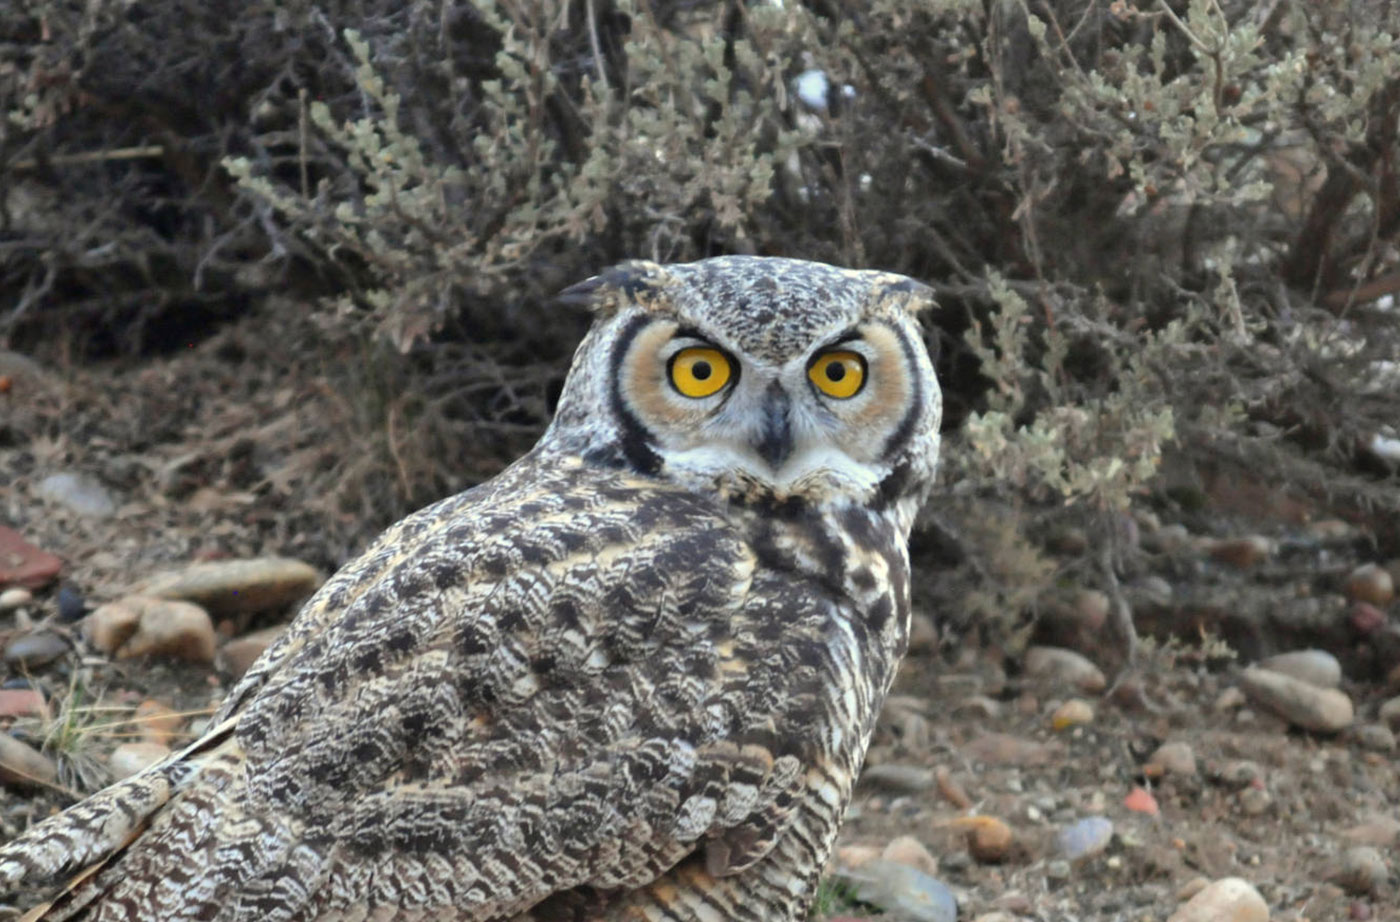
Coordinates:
(838, 374)
(699, 371)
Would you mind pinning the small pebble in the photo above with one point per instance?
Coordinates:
(1254, 801)
(1191, 888)
(1239, 773)
(71, 606)
(1324, 710)
(1230, 899)
(1169, 539)
(1073, 713)
(1370, 583)
(1365, 618)
(1363, 870)
(1005, 749)
(1085, 838)
(130, 758)
(1241, 553)
(39, 648)
(1175, 758)
(1057, 870)
(1379, 831)
(909, 851)
(15, 597)
(853, 856)
(1375, 737)
(20, 763)
(1230, 699)
(1140, 800)
(80, 493)
(903, 779)
(1316, 667)
(989, 840)
(1064, 668)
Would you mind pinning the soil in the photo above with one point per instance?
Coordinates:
(239, 446)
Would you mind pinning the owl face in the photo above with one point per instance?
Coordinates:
(774, 377)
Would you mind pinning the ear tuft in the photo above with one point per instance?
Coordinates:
(636, 282)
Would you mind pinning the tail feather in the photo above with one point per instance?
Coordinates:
(86, 833)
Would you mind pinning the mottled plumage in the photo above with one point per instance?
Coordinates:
(632, 677)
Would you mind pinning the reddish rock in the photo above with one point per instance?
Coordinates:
(23, 564)
(22, 702)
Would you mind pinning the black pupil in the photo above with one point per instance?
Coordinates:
(835, 371)
(700, 370)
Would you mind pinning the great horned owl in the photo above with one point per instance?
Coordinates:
(632, 677)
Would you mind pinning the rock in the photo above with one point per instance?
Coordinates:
(950, 789)
(1254, 801)
(1005, 749)
(179, 630)
(1239, 773)
(1230, 899)
(236, 587)
(1363, 870)
(18, 597)
(1065, 669)
(1229, 699)
(909, 851)
(923, 634)
(853, 856)
(1390, 712)
(1191, 888)
(35, 649)
(144, 626)
(1169, 539)
(157, 723)
(1370, 583)
(1316, 667)
(238, 655)
(1375, 737)
(1171, 759)
(23, 564)
(1073, 713)
(130, 758)
(80, 493)
(1378, 832)
(1324, 710)
(1331, 531)
(903, 779)
(110, 625)
(1069, 541)
(903, 891)
(20, 763)
(71, 606)
(1085, 838)
(22, 702)
(1140, 800)
(978, 706)
(1365, 618)
(1241, 553)
(989, 840)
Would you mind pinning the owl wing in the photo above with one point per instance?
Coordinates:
(571, 678)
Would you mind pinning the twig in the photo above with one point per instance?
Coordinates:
(96, 156)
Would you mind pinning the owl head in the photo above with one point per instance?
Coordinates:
(757, 378)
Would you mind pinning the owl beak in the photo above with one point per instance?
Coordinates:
(776, 442)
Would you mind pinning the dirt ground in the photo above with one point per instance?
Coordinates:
(235, 448)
